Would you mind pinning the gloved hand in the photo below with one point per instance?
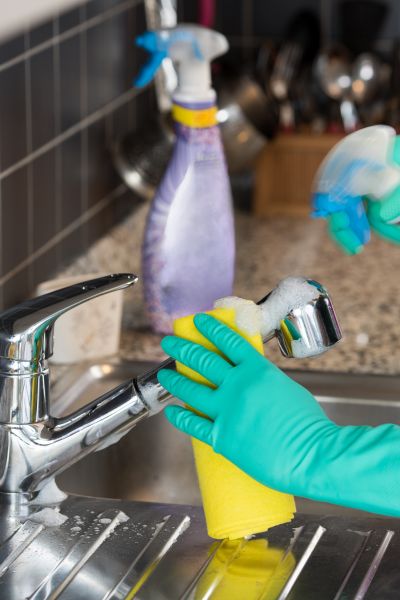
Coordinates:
(274, 429)
(341, 232)
(380, 214)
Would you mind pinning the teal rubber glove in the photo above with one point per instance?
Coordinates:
(341, 232)
(380, 215)
(273, 428)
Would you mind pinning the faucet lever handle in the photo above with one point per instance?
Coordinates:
(26, 330)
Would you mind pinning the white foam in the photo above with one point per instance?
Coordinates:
(122, 517)
(49, 517)
(50, 494)
(248, 316)
(151, 394)
(290, 293)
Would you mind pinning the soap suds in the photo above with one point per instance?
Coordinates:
(50, 494)
(49, 517)
(248, 316)
(290, 293)
(151, 393)
(122, 517)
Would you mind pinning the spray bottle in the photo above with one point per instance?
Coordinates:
(189, 246)
(356, 186)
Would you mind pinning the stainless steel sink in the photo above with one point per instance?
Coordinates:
(121, 549)
(154, 462)
(124, 548)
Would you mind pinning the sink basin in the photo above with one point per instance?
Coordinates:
(122, 547)
(154, 462)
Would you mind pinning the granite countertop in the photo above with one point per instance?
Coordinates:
(365, 289)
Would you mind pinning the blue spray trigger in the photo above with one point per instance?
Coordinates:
(148, 70)
(158, 45)
(340, 199)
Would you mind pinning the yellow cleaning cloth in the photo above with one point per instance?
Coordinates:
(235, 505)
(245, 569)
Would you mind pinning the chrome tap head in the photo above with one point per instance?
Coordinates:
(307, 329)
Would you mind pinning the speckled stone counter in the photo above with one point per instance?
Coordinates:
(365, 289)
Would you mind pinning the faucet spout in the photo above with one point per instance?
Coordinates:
(35, 447)
(40, 451)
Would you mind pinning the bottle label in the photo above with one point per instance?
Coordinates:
(199, 118)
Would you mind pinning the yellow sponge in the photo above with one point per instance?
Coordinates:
(235, 505)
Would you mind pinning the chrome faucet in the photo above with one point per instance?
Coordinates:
(34, 446)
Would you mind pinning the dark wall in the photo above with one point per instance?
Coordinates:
(65, 93)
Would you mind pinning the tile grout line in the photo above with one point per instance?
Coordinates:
(68, 133)
(91, 212)
(92, 22)
(83, 113)
(1, 250)
(29, 146)
(57, 113)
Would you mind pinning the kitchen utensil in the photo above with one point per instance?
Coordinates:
(142, 156)
(247, 114)
(304, 97)
(247, 118)
(301, 45)
(264, 64)
(370, 87)
(367, 77)
(333, 71)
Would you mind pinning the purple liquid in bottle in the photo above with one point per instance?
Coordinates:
(189, 243)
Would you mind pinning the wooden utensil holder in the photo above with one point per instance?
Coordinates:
(285, 170)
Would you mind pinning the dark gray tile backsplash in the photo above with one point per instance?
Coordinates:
(65, 94)
(14, 219)
(42, 91)
(70, 81)
(40, 34)
(11, 48)
(101, 177)
(71, 179)
(13, 126)
(18, 287)
(69, 19)
(43, 198)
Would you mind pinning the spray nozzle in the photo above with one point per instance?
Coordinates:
(190, 47)
(158, 46)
